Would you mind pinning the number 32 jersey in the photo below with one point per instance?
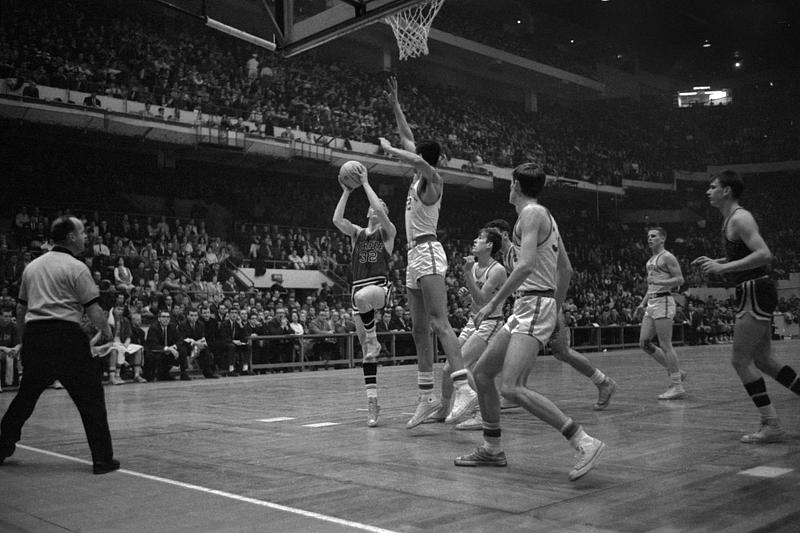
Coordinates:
(370, 258)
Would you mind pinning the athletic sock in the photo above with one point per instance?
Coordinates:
(491, 437)
(675, 378)
(598, 377)
(758, 393)
(425, 383)
(571, 431)
(371, 379)
(460, 379)
(789, 379)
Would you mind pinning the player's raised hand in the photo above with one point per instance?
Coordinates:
(469, 262)
(391, 93)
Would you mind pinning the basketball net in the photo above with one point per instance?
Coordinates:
(411, 27)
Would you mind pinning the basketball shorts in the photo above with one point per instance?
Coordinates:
(759, 297)
(535, 316)
(488, 329)
(660, 307)
(425, 259)
(380, 302)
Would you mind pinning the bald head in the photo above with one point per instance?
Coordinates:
(69, 233)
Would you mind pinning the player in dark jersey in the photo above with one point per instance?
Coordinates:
(372, 248)
(746, 264)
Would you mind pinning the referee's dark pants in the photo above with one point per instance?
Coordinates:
(60, 350)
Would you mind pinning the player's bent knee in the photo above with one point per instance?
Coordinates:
(559, 350)
(647, 346)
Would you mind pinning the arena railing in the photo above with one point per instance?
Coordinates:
(397, 347)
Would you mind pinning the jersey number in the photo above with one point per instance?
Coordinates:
(368, 257)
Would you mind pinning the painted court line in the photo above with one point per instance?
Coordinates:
(321, 425)
(236, 497)
(766, 471)
(276, 419)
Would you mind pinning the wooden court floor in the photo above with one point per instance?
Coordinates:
(292, 453)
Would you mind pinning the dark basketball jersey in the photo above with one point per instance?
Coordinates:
(735, 250)
(370, 259)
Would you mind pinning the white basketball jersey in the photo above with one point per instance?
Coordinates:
(544, 275)
(657, 270)
(421, 219)
(480, 281)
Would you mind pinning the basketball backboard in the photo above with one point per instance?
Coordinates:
(288, 27)
(301, 25)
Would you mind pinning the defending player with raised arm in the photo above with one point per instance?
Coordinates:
(483, 276)
(538, 279)
(427, 265)
(663, 275)
(746, 264)
(371, 290)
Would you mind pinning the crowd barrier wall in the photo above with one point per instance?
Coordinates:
(397, 347)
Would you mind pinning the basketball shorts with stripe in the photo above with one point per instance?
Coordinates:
(535, 316)
(758, 297)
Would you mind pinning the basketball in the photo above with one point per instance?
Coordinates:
(350, 174)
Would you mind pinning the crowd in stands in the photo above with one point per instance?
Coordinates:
(156, 265)
(153, 264)
(123, 52)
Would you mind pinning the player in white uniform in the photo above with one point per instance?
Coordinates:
(372, 250)
(559, 341)
(427, 265)
(539, 280)
(483, 277)
(658, 306)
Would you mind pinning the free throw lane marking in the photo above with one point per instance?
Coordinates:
(276, 419)
(766, 471)
(320, 425)
(236, 497)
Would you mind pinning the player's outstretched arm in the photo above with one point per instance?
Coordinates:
(341, 223)
(403, 129)
(388, 229)
(410, 158)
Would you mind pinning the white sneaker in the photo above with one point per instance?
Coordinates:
(438, 416)
(426, 405)
(465, 400)
(373, 411)
(674, 392)
(473, 423)
(589, 452)
(116, 380)
(605, 391)
(767, 433)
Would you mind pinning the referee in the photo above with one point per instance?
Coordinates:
(55, 291)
